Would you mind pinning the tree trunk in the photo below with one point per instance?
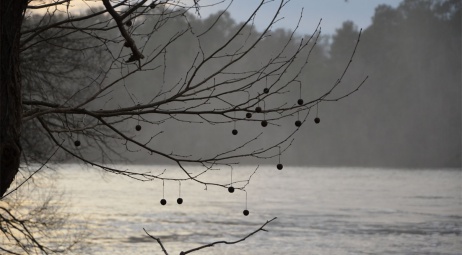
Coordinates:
(11, 15)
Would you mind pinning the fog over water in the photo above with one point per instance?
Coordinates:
(407, 114)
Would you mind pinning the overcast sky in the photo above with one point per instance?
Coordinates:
(332, 12)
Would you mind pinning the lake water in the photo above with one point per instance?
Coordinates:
(319, 210)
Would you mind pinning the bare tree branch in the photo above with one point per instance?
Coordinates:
(112, 81)
(158, 241)
(261, 228)
(230, 242)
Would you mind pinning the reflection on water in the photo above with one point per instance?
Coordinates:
(319, 210)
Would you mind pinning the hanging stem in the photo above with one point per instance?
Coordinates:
(279, 154)
(300, 89)
(317, 107)
(264, 109)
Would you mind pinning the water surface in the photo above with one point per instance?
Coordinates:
(319, 210)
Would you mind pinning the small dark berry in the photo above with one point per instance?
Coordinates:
(266, 90)
(264, 123)
(258, 109)
(179, 200)
(298, 123)
(248, 115)
(234, 132)
(129, 23)
(246, 212)
(152, 5)
(279, 166)
(163, 201)
(77, 143)
(138, 127)
(231, 189)
(317, 120)
(300, 101)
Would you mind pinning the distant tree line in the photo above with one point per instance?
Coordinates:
(407, 115)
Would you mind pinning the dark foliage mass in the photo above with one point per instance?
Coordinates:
(410, 114)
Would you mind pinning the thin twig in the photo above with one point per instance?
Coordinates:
(158, 240)
(227, 242)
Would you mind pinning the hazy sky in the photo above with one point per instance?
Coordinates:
(333, 12)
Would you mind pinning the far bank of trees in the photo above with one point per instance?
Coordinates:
(408, 115)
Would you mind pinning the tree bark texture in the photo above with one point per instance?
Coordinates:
(11, 16)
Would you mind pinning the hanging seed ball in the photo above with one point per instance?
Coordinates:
(163, 201)
(258, 109)
(152, 5)
(77, 143)
(179, 200)
(231, 189)
(126, 44)
(248, 115)
(300, 101)
(298, 123)
(266, 90)
(234, 132)
(279, 166)
(264, 123)
(317, 120)
(138, 127)
(245, 212)
(129, 23)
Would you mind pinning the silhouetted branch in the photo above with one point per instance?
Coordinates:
(158, 241)
(111, 80)
(261, 228)
(229, 242)
(32, 174)
(202, 95)
(33, 7)
(119, 20)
